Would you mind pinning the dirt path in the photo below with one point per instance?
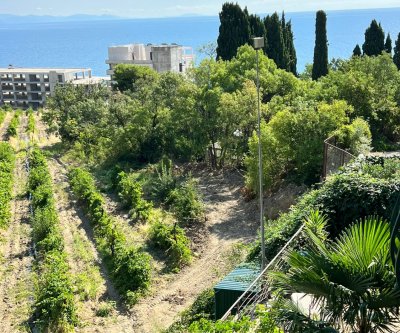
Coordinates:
(85, 263)
(229, 220)
(90, 276)
(16, 286)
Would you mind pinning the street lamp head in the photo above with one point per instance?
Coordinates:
(258, 42)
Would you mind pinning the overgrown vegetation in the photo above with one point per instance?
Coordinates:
(369, 186)
(129, 265)
(13, 127)
(54, 304)
(31, 121)
(172, 240)
(7, 164)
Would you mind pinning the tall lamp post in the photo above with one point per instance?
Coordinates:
(258, 43)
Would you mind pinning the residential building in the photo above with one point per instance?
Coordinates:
(162, 58)
(29, 87)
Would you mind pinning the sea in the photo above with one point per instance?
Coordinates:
(78, 44)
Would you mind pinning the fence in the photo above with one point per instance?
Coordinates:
(259, 290)
(334, 157)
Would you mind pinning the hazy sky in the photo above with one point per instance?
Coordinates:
(162, 8)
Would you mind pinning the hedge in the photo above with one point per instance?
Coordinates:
(7, 163)
(54, 304)
(129, 266)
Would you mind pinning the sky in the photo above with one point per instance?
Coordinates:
(170, 8)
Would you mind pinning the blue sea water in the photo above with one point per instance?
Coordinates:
(84, 44)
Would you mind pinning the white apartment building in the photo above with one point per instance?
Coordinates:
(29, 87)
(162, 58)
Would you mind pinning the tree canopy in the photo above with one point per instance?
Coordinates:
(320, 64)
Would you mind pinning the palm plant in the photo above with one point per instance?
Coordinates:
(351, 278)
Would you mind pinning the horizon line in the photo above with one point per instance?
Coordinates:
(188, 15)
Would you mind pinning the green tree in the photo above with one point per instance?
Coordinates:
(257, 28)
(351, 278)
(276, 45)
(290, 49)
(396, 56)
(374, 40)
(234, 30)
(130, 77)
(357, 51)
(320, 64)
(388, 44)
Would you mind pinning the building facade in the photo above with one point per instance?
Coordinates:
(29, 87)
(162, 58)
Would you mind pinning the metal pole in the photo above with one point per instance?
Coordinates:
(260, 174)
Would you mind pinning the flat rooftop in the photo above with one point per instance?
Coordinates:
(18, 70)
(92, 80)
(153, 45)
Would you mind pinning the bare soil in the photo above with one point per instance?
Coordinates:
(83, 257)
(229, 220)
(16, 278)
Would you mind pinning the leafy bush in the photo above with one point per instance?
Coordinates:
(31, 121)
(55, 304)
(172, 239)
(164, 180)
(13, 127)
(186, 203)
(264, 322)
(292, 142)
(7, 163)
(131, 194)
(129, 266)
(2, 115)
(202, 308)
(369, 186)
(355, 137)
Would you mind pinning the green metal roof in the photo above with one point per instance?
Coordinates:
(239, 279)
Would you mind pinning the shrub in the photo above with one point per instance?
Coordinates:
(355, 137)
(172, 240)
(292, 142)
(129, 266)
(131, 195)
(7, 163)
(55, 304)
(164, 181)
(369, 186)
(202, 308)
(186, 203)
(31, 121)
(13, 127)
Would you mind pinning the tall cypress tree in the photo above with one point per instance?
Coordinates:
(320, 65)
(388, 44)
(374, 40)
(396, 55)
(357, 51)
(290, 49)
(275, 48)
(234, 30)
(257, 28)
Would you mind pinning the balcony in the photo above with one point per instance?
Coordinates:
(8, 97)
(6, 78)
(7, 87)
(20, 88)
(35, 88)
(19, 79)
(22, 97)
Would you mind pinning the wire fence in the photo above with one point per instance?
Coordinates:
(334, 157)
(259, 291)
